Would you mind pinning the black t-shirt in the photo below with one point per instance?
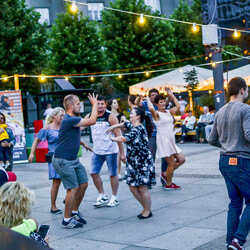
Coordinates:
(69, 138)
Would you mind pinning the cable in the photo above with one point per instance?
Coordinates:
(215, 7)
(157, 17)
(244, 57)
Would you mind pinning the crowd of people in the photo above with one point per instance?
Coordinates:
(147, 134)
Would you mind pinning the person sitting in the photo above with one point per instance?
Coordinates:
(6, 176)
(188, 124)
(209, 127)
(15, 206)
(203, 121)
(183, 115)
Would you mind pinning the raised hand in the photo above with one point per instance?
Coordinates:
(169, 91)
(92, 98)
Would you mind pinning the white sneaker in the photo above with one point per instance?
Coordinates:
(120, 177)
(113, 203)
(101, 201)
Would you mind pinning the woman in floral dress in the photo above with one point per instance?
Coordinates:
(140, 170)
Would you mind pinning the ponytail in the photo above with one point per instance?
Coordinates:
(49, 118)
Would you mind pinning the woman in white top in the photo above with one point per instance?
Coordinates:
(165, 139)
(188, 124)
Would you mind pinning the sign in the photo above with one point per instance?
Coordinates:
(11, 107)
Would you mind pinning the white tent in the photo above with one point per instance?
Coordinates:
(174, 80)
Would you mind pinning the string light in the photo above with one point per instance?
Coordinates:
(142, 19)
(180, 69)
(213, 64)
(206, 58)
(210, 54)
(210, 91)
(5, 79)
(236, 34)
(92, 78)
(147, 73)
(120, 76)
(195, 28)
(42, 78)
(73, 7)
(66, 78)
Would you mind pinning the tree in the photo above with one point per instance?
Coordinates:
(189, 43)
(22, 43)
(227, 56)
(75, 47)
(129, 44)
(192, 80)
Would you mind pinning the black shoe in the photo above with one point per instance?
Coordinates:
(205, 141)
(64, 201)
(78, 217)
(58, 211)
(141, 217)
(198, 142)
(72, 223)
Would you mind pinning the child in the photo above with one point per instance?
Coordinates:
(4, 152)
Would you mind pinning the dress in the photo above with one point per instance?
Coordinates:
(140, 168)
(165, 138)
(51, 135)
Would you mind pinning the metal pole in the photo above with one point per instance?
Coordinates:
(219, 93)
(16, 80)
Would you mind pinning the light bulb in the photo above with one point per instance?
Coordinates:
(5, 79)
(120, 76)
(210, 54)
(147, 73)
(142, 19)
(236, 33)
(195, 28)
(92, 78)
(213, 64)
(180, 69)
(66, 78)
(210, 91)
(73, 7)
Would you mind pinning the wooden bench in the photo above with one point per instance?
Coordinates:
(189, 133)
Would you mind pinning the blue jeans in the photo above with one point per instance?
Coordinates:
(184, 130)
(237, 177)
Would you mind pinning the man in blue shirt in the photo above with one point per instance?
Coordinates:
(66, 162)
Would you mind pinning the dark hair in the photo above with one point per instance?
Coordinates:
(3, 117)
(69, 99)
(144, 117)
(190, 111)
(132, 98)
(109, 103)
(159, 97)
(235, 85)
(100, 98)
(153, 91)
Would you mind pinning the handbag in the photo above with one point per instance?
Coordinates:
(48, 157)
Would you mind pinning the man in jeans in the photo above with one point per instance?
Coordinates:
(231, 132)
(66, 162)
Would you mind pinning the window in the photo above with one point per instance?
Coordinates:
(94, 10)
(155, 4)
(44, 12)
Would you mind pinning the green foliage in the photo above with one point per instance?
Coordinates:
(197, 110)
(104, 87)
(22, 44)
(207, 100)
(129, 44)
(189, 43)
(192, 79)
(75, 47)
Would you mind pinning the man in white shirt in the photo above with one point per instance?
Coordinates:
(188, 124)
(183, 104)
(203, 121)
(48, 111)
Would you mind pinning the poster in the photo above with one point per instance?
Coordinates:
(11, 107)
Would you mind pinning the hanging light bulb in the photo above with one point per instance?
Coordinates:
(42, 79)
(66, 78)
(195, 28)
(92, 78)
(210, 54)
(147, 73)
(206, 58)
(120, 76)
(236, 33)
(5, 79)
(142, 19)
(180, 69)
(73, 7)
(213, 64)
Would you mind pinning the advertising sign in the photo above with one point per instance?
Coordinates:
(11, 107)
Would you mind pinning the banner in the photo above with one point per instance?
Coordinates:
(11, 107)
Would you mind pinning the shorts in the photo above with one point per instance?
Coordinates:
(98, 160)
(72, 173)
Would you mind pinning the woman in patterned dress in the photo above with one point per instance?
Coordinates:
(140, 170)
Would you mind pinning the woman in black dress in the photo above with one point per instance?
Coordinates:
(140, 170)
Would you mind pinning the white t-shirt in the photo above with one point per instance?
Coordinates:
(183, 105)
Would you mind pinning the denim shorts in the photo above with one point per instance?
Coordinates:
(98, 160)
(72, 173)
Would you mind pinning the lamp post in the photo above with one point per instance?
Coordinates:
(16, 80)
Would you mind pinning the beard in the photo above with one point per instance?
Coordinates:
(76, 113)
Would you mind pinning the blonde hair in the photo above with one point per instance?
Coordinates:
(15, 203)
(56, 111)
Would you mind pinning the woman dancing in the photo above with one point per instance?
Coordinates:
(165, 139)
(140, 170)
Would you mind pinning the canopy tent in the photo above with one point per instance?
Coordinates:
(243, 72)
(174, 80)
